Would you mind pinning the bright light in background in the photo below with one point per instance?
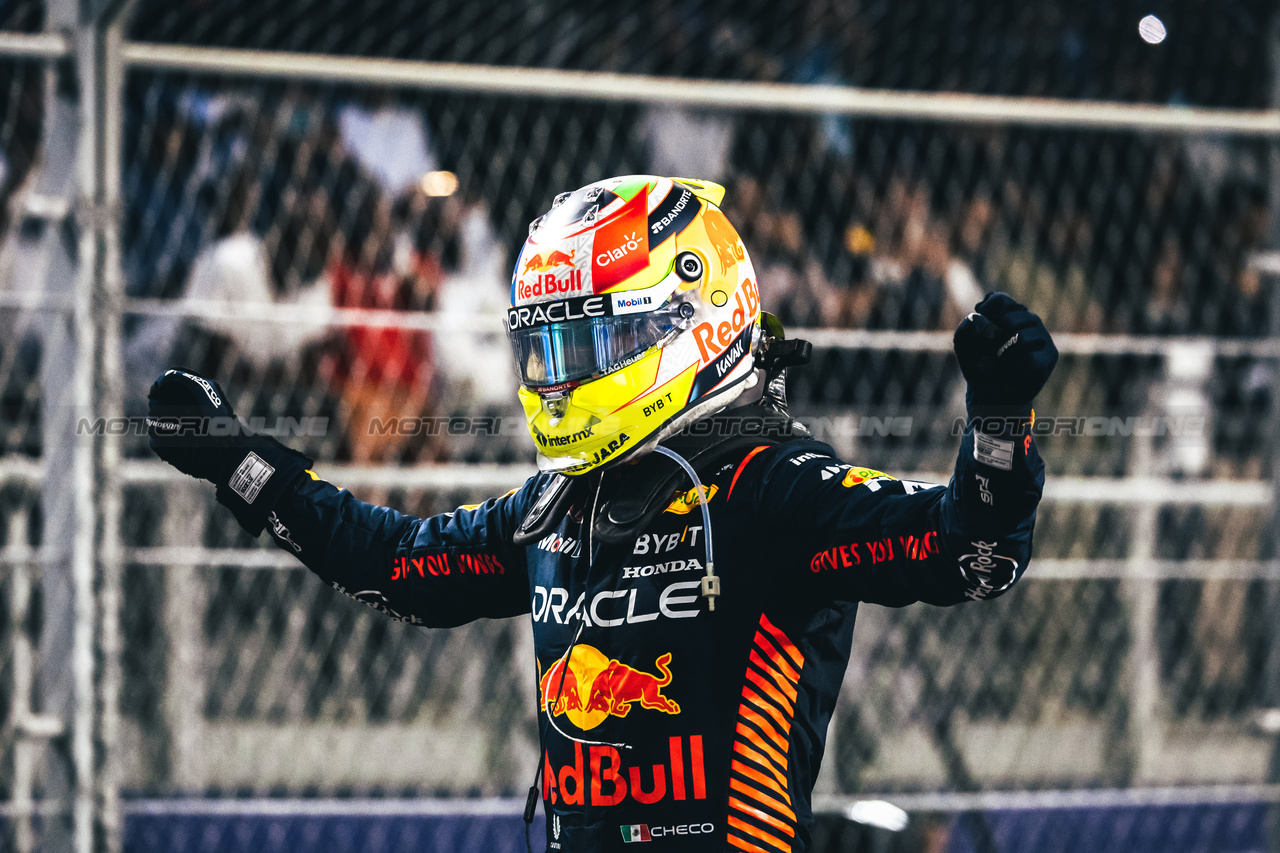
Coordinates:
(439, 183)
(1151, 29)
(1269, 721)
(878, 813)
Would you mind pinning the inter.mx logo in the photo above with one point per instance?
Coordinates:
(644, 832)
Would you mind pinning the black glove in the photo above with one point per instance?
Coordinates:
(1005, 353)
(192, 427)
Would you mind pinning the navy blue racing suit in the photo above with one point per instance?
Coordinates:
(668, 721)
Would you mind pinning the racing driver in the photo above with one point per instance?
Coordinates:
(689, 559)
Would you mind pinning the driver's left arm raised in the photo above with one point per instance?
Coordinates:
(854, 534)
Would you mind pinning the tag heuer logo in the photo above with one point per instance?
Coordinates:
(635, 832)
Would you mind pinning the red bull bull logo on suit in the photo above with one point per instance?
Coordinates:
(594, 687)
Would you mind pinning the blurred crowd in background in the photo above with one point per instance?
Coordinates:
(314, 198)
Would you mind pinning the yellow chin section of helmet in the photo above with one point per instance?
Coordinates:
(601, 421)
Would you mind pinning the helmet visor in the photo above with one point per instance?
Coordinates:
(556, 353)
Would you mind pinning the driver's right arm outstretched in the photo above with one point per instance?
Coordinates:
(439, 572)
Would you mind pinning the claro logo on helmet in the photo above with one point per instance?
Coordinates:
(713, 341)
(581, 308)
(628, 244)
(621, 245)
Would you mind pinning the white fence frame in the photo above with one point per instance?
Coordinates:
(96, 305)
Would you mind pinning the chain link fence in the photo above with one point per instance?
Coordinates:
(1211, 56)
(334, 247)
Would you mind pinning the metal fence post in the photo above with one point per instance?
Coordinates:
(64, 666)
(84, 479)
(78, 666)
(30, 729)
(1270, 697)
(108, 307)
(186, 510)
(1141, 592)
(16, 556)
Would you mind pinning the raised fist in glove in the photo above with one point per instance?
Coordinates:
(192, 427)
(1005, 352)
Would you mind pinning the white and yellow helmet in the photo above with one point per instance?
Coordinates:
(634, 311)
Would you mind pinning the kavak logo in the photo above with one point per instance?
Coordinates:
(595, 687)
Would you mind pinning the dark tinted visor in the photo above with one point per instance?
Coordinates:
(582, 349)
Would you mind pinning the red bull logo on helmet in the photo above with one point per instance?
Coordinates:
(548, 260)
(556, 271)
(593, 687)
(549, 284)
(713, 341)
